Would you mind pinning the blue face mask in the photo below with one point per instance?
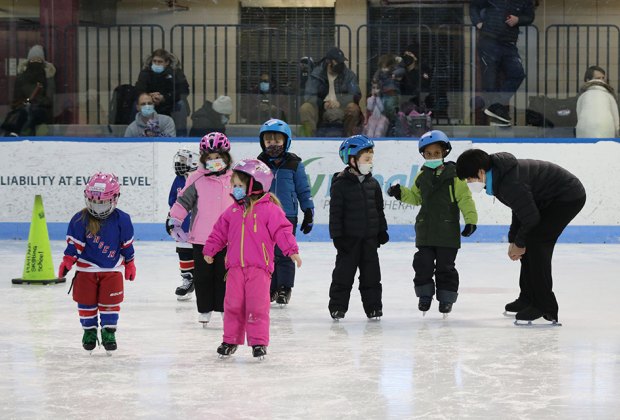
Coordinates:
(433, 163)
(157, 68)
(238, 193)
(147, 110)
(264, 86)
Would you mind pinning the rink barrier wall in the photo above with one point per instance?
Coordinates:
(144, 165)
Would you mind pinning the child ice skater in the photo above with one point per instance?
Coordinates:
(358, 227)
(100, 240)
(206, 195)
(252, 226)
(441, 195)
(291, 187)
(185, 161)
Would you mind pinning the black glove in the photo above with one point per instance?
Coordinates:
(383, 237)
(308, 222)
(394, 191)
(468, 230)
(169, 226)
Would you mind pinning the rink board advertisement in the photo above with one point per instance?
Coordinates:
(59, 170)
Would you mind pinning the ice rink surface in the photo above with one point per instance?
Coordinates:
(475, 364)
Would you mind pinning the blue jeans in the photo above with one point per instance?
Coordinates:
(495, 58)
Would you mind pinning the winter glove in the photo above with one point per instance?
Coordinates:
(130, 271)
(308, 222)
(394, 191)
(344, 244)
(65, 265)
(468, 230)
(177, 231)
(383, 237)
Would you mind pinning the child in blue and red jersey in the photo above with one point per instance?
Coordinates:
(100, 240)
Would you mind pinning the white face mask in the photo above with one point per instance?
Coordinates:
(476, 186)
(365, 168)
(215, 165)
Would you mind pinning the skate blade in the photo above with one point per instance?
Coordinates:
(260, 358)
(109, 352)
(424, 313)
(445, 316)
(282, 305)
(204, 324)
(539, 324)
(509, 314)
(184, 298)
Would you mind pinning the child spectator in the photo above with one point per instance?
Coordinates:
(441, 194)
(597, 107)
(377, 123)
(358, 227)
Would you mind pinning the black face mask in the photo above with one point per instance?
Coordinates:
(407, 60)
(338, 68)
(274, 151)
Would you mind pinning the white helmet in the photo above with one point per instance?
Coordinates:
(185, 161)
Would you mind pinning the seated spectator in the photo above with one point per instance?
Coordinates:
(33, 96)
(597, 107)
(163, 78)
(262, 103)
(212, 116)
(332, 96)
(148, 122)
(416, 80)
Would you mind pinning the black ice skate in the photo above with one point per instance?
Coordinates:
(89, 339)
(108, 339)
(259, 352)
(375, 314)
(184, 291)
(512, 308)
(337, 315)
(424, 304)
(226, 350)
(284, 296)
(273, 295)
(445, 308)
(530, 314)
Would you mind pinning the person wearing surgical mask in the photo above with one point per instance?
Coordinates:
(148, 123)
(544, 198)
(442, 197)
(263, 101)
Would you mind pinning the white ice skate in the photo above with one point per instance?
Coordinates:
(204, 318)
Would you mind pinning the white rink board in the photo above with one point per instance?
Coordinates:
(58, 170)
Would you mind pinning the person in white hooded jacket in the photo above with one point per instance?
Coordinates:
(597, 107)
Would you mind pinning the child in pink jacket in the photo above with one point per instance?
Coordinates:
(251, 227)
(206, 195)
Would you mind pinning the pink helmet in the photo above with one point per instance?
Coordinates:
(214, 143)
(257, 169)
(101, 194)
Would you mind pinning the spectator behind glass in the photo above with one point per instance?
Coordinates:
(498, 24)
(332, 96)
(388, 78)
(163, 79)
(212, 117)
(35, 87)
(597, 107)
(415, 81)
(148, 122)
(262, 103)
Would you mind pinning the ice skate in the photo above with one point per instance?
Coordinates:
(424, 304)
(511, 309)
(445, 308)
(108, 340)
(375, 314)
(273, 295)
(184, 291)
(337, 315)
(530, 317)
(259, 352)
(225, 350)
(204, 318)
(89, 339)
(284, 296)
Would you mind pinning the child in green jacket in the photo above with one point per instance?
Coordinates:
(441, 194)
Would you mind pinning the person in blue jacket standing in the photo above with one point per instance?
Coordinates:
(291, 186)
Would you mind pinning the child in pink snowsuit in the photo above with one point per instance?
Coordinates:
(251, 227)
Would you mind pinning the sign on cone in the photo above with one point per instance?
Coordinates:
(38, 267)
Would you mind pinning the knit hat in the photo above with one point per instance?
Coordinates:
(36, 52)
(223, 105)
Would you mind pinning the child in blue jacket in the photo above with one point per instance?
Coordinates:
(291, 186)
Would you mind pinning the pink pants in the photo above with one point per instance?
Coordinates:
(246, 306)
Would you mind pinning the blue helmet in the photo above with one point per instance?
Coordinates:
(276, 126)
(353, 145)
(432, 137)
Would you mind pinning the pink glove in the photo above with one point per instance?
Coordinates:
(65, 265)
(177, 231)
(130, 271)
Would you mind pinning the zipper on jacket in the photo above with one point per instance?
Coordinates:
(452, 198)
(254, 222)
(265, 254)
(242, 237)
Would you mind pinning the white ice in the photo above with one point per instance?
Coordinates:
(475, 364)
